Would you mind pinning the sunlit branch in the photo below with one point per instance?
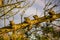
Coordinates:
(32, 22)
(11, 4)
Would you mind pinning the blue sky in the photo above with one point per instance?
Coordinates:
(39, 5)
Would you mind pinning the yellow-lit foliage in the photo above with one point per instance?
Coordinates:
(5, 36)
(12, 23)
(5, 30)
(1, 3)
(51, 12)
(18, 36)
(36, 17)
(17, 26)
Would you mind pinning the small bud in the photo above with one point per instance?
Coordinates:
(12, 23)
(35, 17)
